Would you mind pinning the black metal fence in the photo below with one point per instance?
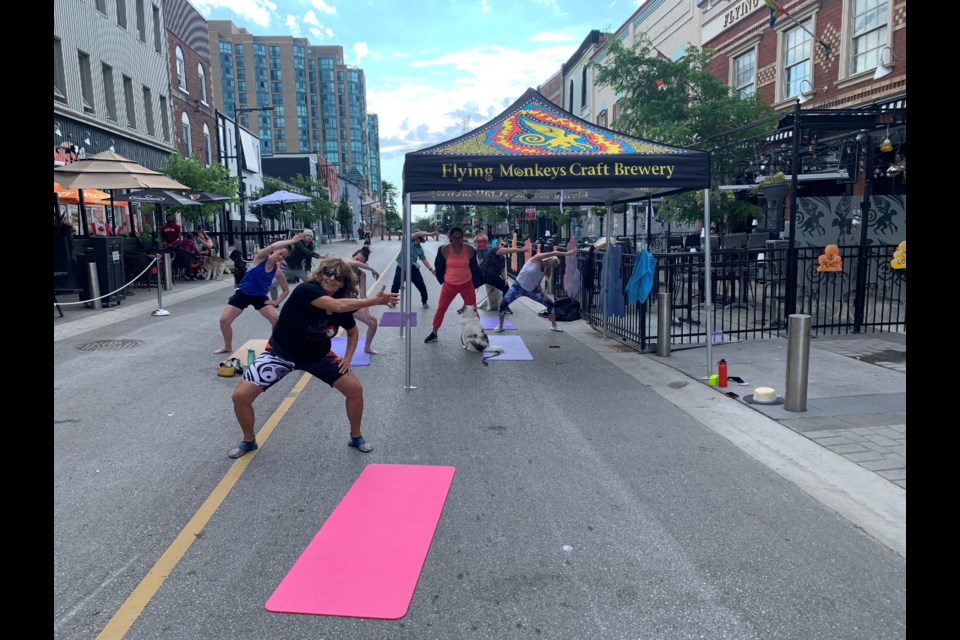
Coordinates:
(856, 291)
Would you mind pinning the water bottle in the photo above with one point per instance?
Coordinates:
(722, 373)
(252, 355)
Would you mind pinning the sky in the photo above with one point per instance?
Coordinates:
(435, 69)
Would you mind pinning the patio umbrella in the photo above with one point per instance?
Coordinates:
(280, 198)
(109, 170)
(161, 196)
(206, 197)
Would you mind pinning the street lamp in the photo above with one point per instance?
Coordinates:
(241, 188)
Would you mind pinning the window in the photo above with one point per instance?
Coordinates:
(148, 110)
(570, 93)
(797, 64)
(59, 73)
(102, 6)
(187, 142)
(207, 147)
(744, 74)
(141, 22)
(122, 13)
(583, 87)
(86, 81)
(602, 118)
(203, 84)
(108, 93)
(128, 95)
(157, 41)
(163, 118)
(869, 33)
(181, 70)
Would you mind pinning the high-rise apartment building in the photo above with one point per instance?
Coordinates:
(319, 102)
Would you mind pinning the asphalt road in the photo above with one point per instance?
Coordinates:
(584, 504)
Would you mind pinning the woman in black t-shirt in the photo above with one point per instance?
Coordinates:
(312, 315)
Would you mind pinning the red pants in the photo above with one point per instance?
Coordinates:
(447, 293)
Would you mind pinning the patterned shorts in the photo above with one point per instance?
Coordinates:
(269, 368)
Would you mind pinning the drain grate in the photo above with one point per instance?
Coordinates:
(109, 345)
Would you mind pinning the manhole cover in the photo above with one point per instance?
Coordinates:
(109, 345)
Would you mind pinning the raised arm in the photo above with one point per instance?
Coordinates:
(349, 305)
(553, 254)
(356, 264)
(425, 234)
(264, 253)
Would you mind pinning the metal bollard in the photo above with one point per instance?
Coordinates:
(93, 285)
(663, 324)
(166, 270)
(798, 362)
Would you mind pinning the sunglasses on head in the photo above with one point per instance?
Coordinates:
(333, 274)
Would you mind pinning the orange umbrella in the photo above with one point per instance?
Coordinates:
(90, 196)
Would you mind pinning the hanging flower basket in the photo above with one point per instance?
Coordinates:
(774, 187)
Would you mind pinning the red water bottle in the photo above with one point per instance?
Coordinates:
(722, 373)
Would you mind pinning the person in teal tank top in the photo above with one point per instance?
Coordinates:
(254, 289)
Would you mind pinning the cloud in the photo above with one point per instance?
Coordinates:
(415, 111)
(360, 50)
(256, 11)
(293, 26)
(323, 7)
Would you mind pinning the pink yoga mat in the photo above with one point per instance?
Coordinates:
(360, 357)
(492, 322)
(366, 559)
(394, 318)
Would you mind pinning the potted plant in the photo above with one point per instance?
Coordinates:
(774, 186)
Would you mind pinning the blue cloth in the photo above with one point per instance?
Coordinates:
(641, 280)
(611, 299)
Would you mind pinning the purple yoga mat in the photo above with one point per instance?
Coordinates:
(489, 323)
(514, 348)
(360, 357)
(394, 318)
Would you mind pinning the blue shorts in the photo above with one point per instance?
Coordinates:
(242, 300)
(517, 291)
(269, 368)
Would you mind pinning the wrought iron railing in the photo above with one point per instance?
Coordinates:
(750, 294)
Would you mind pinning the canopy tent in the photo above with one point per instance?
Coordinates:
(536, 153)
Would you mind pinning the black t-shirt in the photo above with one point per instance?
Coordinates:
(303, 332)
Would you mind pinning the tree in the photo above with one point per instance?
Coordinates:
(388, 195)
(345, 215)
(319, 209)
(680, 103)
(196, 175)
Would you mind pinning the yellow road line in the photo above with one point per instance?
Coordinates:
(135, 603)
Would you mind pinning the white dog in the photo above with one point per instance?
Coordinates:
(472, 336)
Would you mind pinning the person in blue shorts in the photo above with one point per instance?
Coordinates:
(528, 284)
(301, 340)
(254, 289)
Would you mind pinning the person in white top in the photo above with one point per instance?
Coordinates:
(529, 284)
